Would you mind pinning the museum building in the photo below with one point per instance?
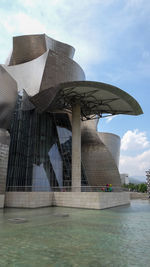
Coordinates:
(48, 123)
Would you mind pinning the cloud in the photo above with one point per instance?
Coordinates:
(67, 21)
(81, 24)
(100, 31)
(135, 166)
(137, 142)
(21, 23)
(136, 4)
(109, 119)
(134, 140)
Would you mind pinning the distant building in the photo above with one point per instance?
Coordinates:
(124, 178)
(148, 181)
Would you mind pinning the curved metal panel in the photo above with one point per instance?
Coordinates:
(98, 162)
(91, 124)
(59, 47)
(59, 69)
(112, 142)
(28, 75)
(46, 71)
(29, 47)
(8, 95)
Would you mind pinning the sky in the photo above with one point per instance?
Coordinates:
(111, 38)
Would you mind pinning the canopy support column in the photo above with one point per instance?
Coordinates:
(76, 148)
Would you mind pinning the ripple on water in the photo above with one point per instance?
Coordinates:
(114, 237)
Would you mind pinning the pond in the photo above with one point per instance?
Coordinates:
(69, 237)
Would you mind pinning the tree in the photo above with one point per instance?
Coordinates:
(142, 188)
(136, 187)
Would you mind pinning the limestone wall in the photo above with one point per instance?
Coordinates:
(28, 199)
(137, 195)
(90, 200)
(2, 197)
(4, 151)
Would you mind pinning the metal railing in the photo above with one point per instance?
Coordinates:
(66, 189)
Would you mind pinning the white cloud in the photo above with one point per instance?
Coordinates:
(89, 25)
(96, 28)
(22, 23)
(135, 166)
(135, 4)
(109, 119)
(28, 3)
(67, 21)
(137, 142)
(134, 140)
(65, 3)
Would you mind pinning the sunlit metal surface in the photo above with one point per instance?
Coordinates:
(28, 75)
(99, 163)
(45, 71)
(112, 142)
(8, 94)
(29, 47)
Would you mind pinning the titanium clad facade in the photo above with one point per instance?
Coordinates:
(8, 94)
(39, 86)
(112, 142)
(29, 47)
(100, 166)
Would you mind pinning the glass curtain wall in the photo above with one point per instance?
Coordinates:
(40, 151)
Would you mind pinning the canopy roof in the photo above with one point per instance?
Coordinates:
(95, 98)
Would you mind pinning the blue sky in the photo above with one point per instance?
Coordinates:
(111, 38)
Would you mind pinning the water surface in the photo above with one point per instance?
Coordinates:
(76, 237)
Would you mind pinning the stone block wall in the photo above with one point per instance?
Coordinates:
(138, 195)
(91, 200)
(4, 152)
(28, 199)
(88, 200)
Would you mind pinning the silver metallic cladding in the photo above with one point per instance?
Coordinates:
(8, 94)
(44, 68)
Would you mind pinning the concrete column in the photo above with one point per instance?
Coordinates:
(76, 148)
(4, 151)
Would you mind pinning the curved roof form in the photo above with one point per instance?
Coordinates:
(44, 72)
(96, 99)
(29, 47)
